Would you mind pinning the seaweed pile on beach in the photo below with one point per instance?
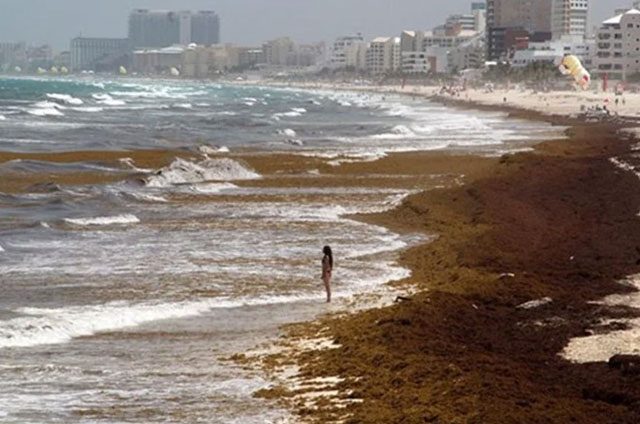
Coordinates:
(557, 226)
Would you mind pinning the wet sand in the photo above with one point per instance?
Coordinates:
(560, 222)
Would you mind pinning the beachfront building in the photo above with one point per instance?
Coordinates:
(470, 54)
(346, 52)
(550, 51)
(438, 59)
(204, 61)
(383, 55)
(205, 28)
(475, 21)
(532, 15)
(441, 37)
(97, 54)
(307, 55)
(413, 56)
(277, 52)
(249, 57)
(13, 54)
(569, 17)
(508, 20)
(618, 46)
(161, 28)
(158, 61)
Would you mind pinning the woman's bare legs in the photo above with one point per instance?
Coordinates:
(327, 286)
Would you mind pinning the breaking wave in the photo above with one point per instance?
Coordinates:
(66, 98)
(104, 220)
(185, 172)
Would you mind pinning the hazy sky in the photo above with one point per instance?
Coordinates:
(243, 21)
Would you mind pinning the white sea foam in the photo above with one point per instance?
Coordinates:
(182, 106)
(3, 118)
(89, 109)
(397, 132)
(145, 197)
(42, 326)
(212, 188)
(104, 220)
(184, 172)
(293, 113)
(288, 132)
(66, 98)
(107, 100)
(601, 347)
(132, 165)
(1, 249)
(212, 150)
(45, 112)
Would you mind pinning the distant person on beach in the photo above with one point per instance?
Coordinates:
(327, 268)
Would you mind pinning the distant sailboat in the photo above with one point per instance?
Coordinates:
(54, 70)
(64, 70)
(41, 71)
(175, 72)
(123, 70)
(17, 69)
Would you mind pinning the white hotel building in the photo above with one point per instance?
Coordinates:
(383, 55)
(569, 17)
(618, 46)
(349, 52)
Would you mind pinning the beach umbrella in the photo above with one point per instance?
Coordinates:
(571, 66)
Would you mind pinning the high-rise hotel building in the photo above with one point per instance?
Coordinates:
(569, 17)
(157, 28)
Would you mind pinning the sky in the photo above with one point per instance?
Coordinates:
(246, 22)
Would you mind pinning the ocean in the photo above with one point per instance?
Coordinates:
(119, 298)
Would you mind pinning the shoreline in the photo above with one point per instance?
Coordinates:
(431, 339)
(409, 361)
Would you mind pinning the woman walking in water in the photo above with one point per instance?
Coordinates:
(327, 268)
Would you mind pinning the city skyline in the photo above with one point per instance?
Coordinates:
(57, 23)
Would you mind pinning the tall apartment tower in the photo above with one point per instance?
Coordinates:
(508, 20)
(570, 17)
(205, 28)
(531, 15)
(157, 29)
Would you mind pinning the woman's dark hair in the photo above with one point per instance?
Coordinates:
(327, 251)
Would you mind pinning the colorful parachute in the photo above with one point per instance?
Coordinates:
(571, 66)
